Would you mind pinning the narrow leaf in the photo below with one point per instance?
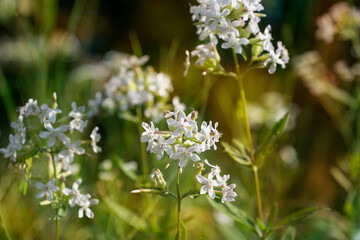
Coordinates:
(272, 215)
(297, 216)
(126, 214)
(234, 213)
(271, 137)
(239, 155)
(182, 235)
(289, 234)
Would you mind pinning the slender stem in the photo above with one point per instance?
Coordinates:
(178, 202)
(57, 209)
(248, 134)
(258, 194)
(144, 160)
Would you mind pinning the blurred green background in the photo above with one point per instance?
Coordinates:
(44, 42)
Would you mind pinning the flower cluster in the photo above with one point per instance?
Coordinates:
(133, 85)
(57, 146)
(228, 193)
(184, 142)
(341, 19)
(235, 23)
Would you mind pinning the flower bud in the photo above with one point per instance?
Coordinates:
(53, 102)
(194, 115)
(157, 177)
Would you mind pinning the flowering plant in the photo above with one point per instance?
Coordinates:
(41, 136)
(182, 143)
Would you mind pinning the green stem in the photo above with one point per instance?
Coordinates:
(57, 208)
(240, 78)
(178, 202)
(144, 160)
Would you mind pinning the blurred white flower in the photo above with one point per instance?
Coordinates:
(48, 114)
(228, 193)
(53, 134)
(74, 193)
(85, 202)
(30, 107)
(47, 189)
(95, 138)
(68, 154)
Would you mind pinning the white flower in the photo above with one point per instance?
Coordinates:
(266, 38)
(326, 28)
(235, 42)
(216, 16)
(85, 202)
(182, 125)
(221, 181)
(203, 51)
(159, 84)
(94, 104)
(209, 184)
(48, 114)
(150, 133)
(77, 122)
(95, 138)
(68, 154)
(184, 153)
(228, 193)
(230, 31)
(20, 129)
(252, 6)
(162, 146)
(215, 171)
(12, 148)
(47, 189)
(280, 57)
(253, 27)
(30, 107)
(208, 135)
(53, 134)
(74, 193)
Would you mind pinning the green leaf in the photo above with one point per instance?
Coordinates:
(260, 224)
(289, 234)
(126, 214)
(233, 212)
(243, 54)
(297, 216)
(239, 153)
(272, 215)
(271, 137)
(182, 235)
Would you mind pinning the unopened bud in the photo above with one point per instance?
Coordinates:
(166, 113)
(53, 102)
(194, 115)
(188, 143)
(157, 177)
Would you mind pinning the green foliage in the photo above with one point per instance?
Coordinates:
(296, 217)
(126, 214)
(239, 153)
(268, 142)
(182, 235)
